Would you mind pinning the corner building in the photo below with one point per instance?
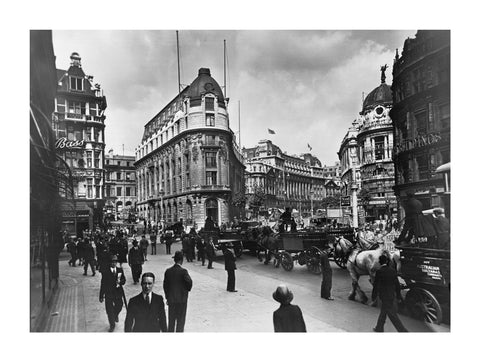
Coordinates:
(188, 164)
(79, 126)
(366, 154)
(421, 118)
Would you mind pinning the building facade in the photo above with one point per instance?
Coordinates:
(79, 126)
(120, 187)
(188, 164)
(421, 118)
(286, 181)
(46, 179)
(366, 155)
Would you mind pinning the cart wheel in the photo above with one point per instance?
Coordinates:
(423, 305)
(341, 261)
(286, 261)
(313, 265)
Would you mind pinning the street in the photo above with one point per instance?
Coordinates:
(75, 307)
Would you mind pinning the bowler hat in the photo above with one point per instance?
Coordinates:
(283, 295)
(113, 257)
(178, 256)
(134, 242)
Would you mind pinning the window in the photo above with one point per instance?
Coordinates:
(209, 104)
(89, 188)
(379, 148)
(78, 135)
(97, 159)
(108, 190)
(211, 177)
(61, 105)
(421, 119)
(76, 107)
(210, 140)
(423, 171)
(96, 134)
(89, 159)
(211, 159)
(119, 191)
(94, 109)
(107, 176)
(445, 116)
(76, 84)
(119, 163)
(127, 176)
(119, 175)
(210, 120)
(127, 191)
(98, 194)
(128, 163)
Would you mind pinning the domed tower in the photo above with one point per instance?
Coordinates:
(375, 147)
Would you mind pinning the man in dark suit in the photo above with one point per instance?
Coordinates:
(89, 257)
(146, 311)
(111, 291)
(288, 317)
(176, 285)
(135, 260)
(387, 288)
(230, 267)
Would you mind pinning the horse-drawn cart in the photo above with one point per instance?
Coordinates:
(427, 276)
(306, 248)
(231, 238)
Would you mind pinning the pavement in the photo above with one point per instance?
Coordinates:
(75, 306)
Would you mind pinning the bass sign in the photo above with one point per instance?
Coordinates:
(63, 143)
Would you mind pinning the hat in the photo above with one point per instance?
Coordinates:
(113, 257)
(438, 211)
(178, 256)
(283, 295)
(134, 242)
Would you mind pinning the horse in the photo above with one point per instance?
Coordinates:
(363, 262)
(267, 242)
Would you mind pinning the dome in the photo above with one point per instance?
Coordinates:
(203, 84)
(379, 96)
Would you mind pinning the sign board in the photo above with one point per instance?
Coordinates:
(345, 200)
(64, 143)
(331, 213)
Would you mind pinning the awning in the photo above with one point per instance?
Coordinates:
(443, 168)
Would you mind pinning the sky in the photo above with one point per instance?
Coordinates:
(306, 85)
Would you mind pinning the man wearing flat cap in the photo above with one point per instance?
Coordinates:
(288, 317)
(111, 290)
(176, 285)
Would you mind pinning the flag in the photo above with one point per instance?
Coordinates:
(271, 131)
(309, 147)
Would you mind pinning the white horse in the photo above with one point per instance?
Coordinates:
(363, 262)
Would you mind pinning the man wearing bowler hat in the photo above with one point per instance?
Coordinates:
(176, 285)
(111, 290)
(135, 260)
(288, 317)
(230, 267)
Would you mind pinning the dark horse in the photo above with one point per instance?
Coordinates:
(267, 242)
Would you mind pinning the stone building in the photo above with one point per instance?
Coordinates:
(188, 164)
(79, 126)
(366, 155)
(421, 118)
(286, 180)
(120, 186)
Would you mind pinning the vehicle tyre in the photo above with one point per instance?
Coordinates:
(423, 305)
(286, 261)
(340, 260)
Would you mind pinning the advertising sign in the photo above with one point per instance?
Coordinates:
(64, 143)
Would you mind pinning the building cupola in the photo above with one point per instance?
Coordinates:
(75, 60)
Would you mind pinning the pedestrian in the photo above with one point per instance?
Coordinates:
(153, 242)
(89, 257)
(111, 290)
(168, 242)
(135, 261)
(144, 246)
(103, 257)
(387, 288)
(146, 311)
(122, 250)
(80, 248)
(201, 250)
(186, 247)
(442, 228)
(230, 267)
(210, 251)
(72, 249)
(288, 317)
(325, 289)
(176, 285)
